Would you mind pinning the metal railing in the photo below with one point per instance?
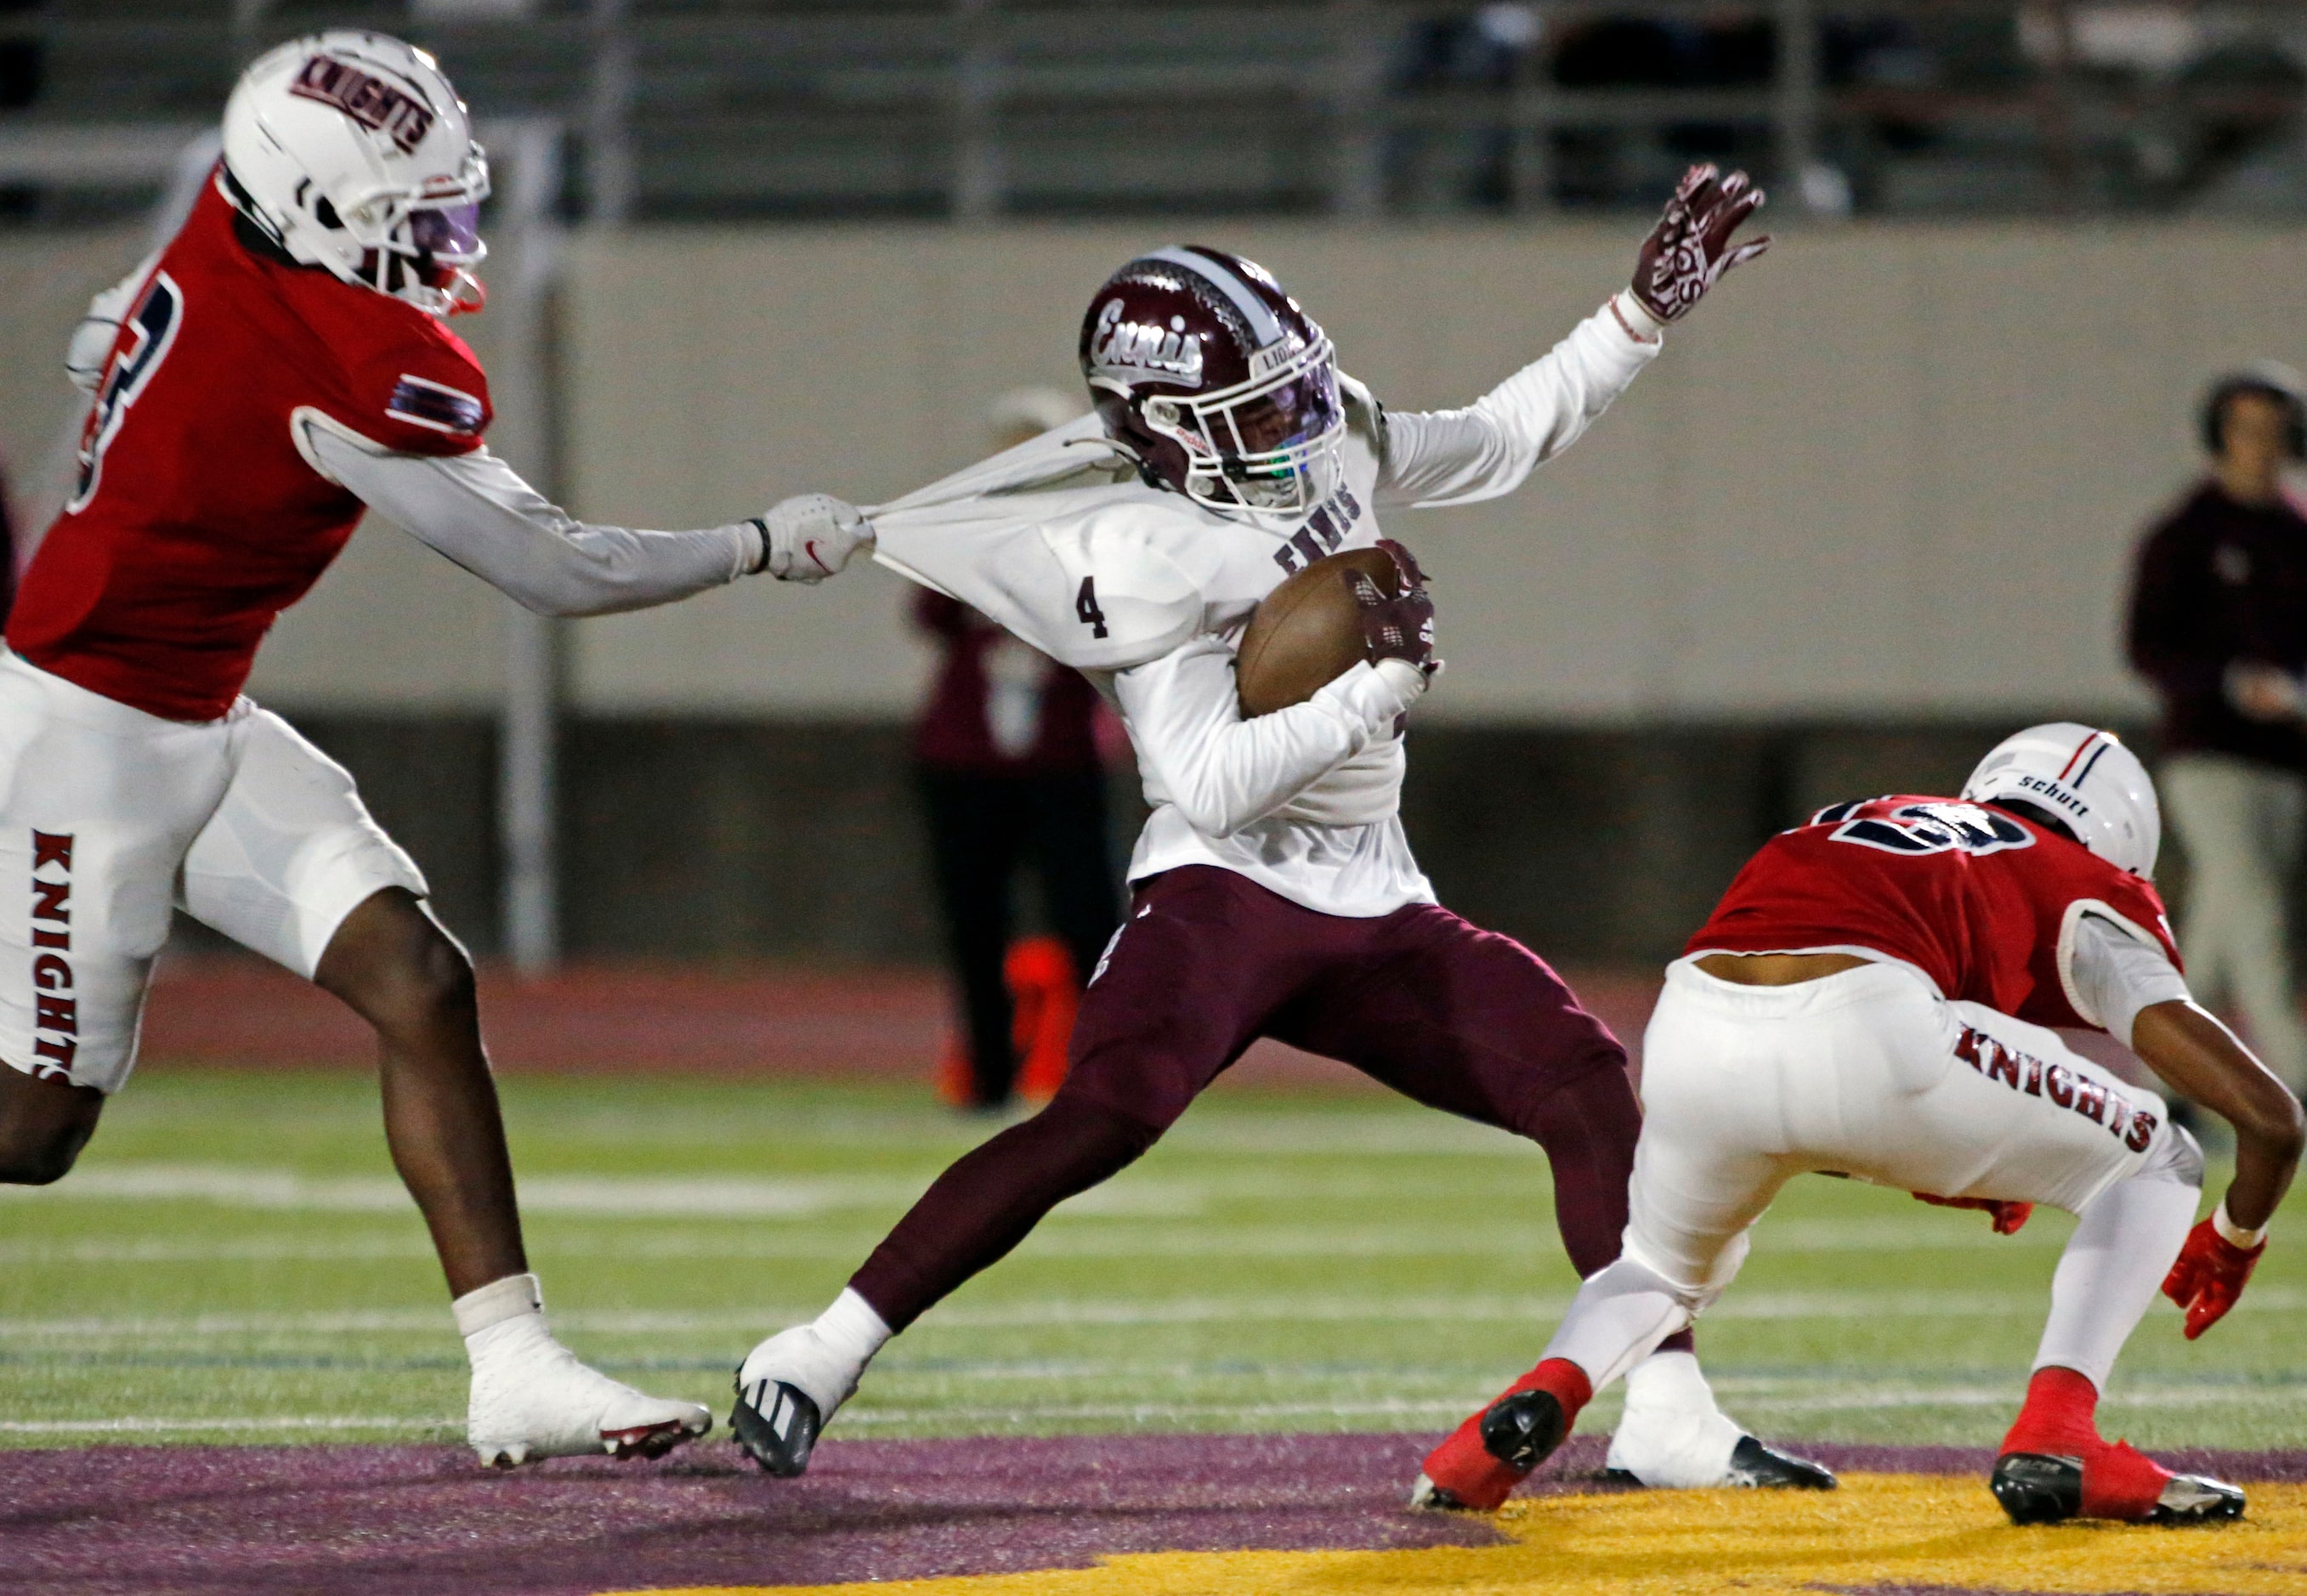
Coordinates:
(974, 109)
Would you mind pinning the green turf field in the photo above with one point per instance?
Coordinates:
(234, 1261)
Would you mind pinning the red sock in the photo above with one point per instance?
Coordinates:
(1463, 1466)
(2060, 1421)
(2058, 1418)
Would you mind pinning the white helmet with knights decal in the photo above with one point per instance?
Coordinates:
(351, 152)
(2086, 780)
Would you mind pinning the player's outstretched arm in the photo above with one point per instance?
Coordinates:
(2199, 1056)
(480, 513)
(1461, 456)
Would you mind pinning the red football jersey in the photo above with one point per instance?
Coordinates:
(1982, 900)
(195, 521)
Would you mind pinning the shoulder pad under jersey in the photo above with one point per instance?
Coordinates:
(1128, 579)
(1364, 413)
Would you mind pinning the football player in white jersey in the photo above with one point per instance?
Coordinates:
(1275, 892)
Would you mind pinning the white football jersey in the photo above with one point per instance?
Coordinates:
(1147, 594)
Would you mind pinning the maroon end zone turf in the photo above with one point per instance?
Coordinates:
(423, 1519)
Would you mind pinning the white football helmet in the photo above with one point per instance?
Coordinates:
(2087, 778)
(352, 152)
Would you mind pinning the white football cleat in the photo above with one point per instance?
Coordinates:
(532, 1398)
(1672, 1437)
(788, 1389)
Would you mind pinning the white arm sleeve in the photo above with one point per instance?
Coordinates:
(1460, 456)
(2117, 975)
(91, 340)
(477, 511)
(1223, 771)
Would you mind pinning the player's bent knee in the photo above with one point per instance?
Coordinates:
(43, 1126)
(392, 961)
(39, 1166)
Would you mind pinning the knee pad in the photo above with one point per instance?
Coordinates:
(2179, 1160)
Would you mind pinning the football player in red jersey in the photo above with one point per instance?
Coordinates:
(281, 366)
(1873, 998)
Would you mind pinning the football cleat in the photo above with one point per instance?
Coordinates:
(2036, 1488)
(1466, 1474)
(547, 1404)
(1523, 1430)
(788, 1388)
(777, 1425)
(1755, 1465)
(1673, 1437)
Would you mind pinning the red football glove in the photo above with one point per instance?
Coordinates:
(2210, 1275)
(1690, 248)
(2008, 1216)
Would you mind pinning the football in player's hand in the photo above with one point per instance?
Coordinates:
(1309, 631)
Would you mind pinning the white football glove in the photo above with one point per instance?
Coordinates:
(811, 537)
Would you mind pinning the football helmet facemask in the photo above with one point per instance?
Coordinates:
(2085, 777)
(1217, 384)
(352, 152)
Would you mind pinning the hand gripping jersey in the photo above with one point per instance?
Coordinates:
(195, 520)
(1984, 902)
(1147, 593)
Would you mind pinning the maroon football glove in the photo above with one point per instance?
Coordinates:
(2210, 1275)
(1401, 627)
(2009, 1216)
(1690, 248)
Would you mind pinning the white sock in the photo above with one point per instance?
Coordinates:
(2113, 1267)
(1617, 1317)
(852, 1329)
(502, 1317)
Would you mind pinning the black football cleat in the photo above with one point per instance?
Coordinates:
(2036, 1488)
(1755, 1465)
(776, 1424)
(1523, 1430)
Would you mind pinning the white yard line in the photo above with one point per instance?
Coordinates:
(1053, 1312)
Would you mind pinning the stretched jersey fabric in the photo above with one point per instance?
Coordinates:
(196, 519)
(1147, 595)
(1984, 902)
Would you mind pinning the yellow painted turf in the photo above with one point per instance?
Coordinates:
(1878, 1530)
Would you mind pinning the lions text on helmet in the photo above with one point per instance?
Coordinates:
(352, 152)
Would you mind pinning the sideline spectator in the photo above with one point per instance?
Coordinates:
(1010, 772)
(2218, 623)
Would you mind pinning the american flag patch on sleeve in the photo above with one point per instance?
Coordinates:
(423, 402)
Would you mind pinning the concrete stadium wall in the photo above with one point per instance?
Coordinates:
(1889, 470)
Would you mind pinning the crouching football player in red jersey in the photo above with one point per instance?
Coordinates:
(278, 366)
(1871, 998)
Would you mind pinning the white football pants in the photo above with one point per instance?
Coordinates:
(109, 816)
(1870, 1073)
(2241, 824)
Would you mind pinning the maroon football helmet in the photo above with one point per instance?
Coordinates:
(1220, 386)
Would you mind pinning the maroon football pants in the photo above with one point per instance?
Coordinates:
(1457, 1018)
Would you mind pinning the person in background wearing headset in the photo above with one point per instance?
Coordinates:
(2218, 624)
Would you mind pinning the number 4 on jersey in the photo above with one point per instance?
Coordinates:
(1086, 608)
